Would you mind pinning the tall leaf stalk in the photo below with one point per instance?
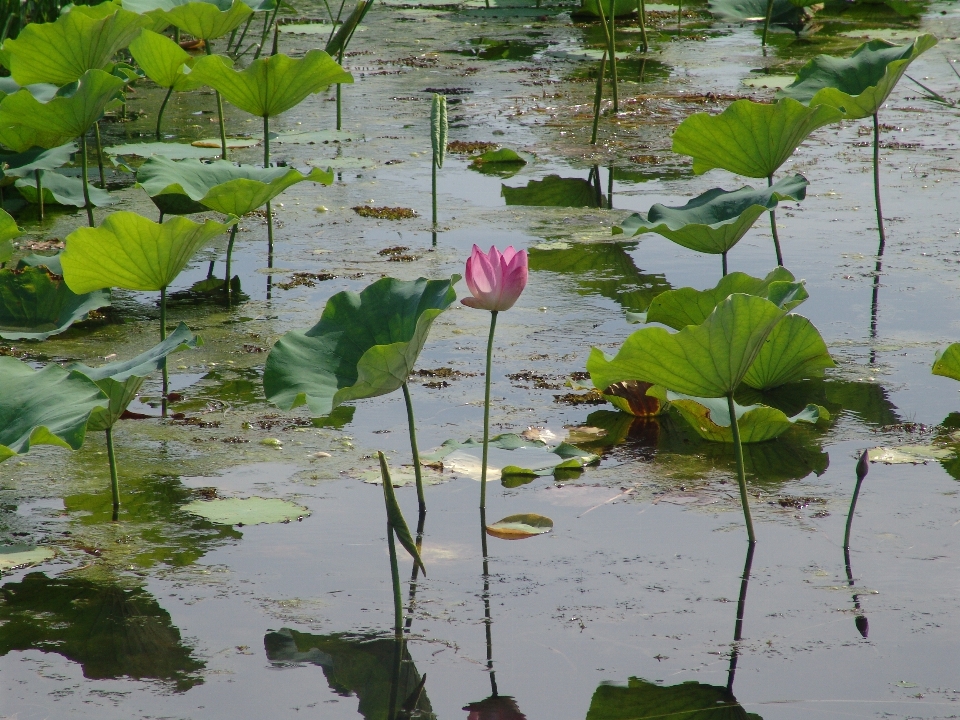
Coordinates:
(83, 176)
(876, 181)
(415, 452)
(223, 131)
(773, 230)
(114, 481)
(438, 141)
(766, 22)
(163, 336)
(642, 16)
(486, 422)
(741, 473)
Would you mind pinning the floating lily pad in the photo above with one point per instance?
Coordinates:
(173, 151)
(246, 511)
(771, 82)
(519, 527)
(232, 143)
(317, 28)
(62, 190)
(17, 556)
(909, 454)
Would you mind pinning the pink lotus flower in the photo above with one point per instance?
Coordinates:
(495, 279)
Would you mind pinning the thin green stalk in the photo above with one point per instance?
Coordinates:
(339, 94)
(876, 180)
(433, 186)
(176, 35)
(863, 465)
(96, 135)
(244, 33)
(487, 619)
(679, 13)
(486, 415)
(741, 474)
(642, 12)
(413, 447)
(163, 336)
(83, 173)
(395, 576)
(724, 263)
(766, 22)
(233, 236)
(609, 187)
(163, 106)
(223, 130)
(266, 164)
(114, 482)
(773, 227)
(415, 573)
(36, 175)
(612, 41)
(276, 39)
(598, 99)
(266, 29)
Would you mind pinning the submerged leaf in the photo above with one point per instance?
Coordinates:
(749, 138)
(716, 220)
(947, 362)
(365, 345)
(395, 516)
(909, 454)
(43, 407)
(246, 511)
(62, 190)
(519, 527)
(860, 84)
(132, 252)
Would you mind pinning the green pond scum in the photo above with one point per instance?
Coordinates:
(261, 457)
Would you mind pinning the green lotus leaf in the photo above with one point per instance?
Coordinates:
(186, 186)
(70, 114)
(642, 700)
(41, 91)
(129, 251)
(43, 407)
(163, 60)
(793, 351)
(21, 139)
(860, 84)
(206, 19)
(36, 303)
(120, 381)
(710, 417)
(553, 191)
(686, 306)
(61, 52)
(23, 164)
(61, 190)
(706, 360)
(246, 511)
(783, 11)
(520, 527)
(365, 345)
(716, 220)
(395, 516)
(947, 362)
(270, 86)
(8, 228)
(748, 138)
(501, 156)
(173, 151)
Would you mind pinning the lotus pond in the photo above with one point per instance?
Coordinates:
(193, 516)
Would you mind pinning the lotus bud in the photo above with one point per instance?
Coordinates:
(495, 279)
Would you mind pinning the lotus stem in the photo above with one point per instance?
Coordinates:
(96, 135)
(766, 23)
(642, 13)
(863, 465)
(244, 33)
(395, 576)
(738, 626)
(433, 179)
(741, 474)
(276, 39)
(487, 620)
(876, 181)
(415, 573)
(163, 106)
(486, 419)
(773, 227)
(611, 50)
(413, 447)
(266, 164)
(223, 131)
(609, 187)
(176, 35)
(83, 173)
(163, 336)
(724, 256)
(434, 238)
(611, 39)
(114, 482)
(679, 12)
(36, 176)
(598, 99)
(226, 280)
(267, 21)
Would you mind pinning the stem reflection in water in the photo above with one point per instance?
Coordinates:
(863, 466)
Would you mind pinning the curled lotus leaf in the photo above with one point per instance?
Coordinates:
(631, 397)
(43, 407)
(520, 527)
(163, 61)
(716, 220)
(687, 306)
(185, 186)
(749, 138)
(129, 251)
(270, 86)
(35, 303)
(207, 20)
(365, 345)
(68, 115)
(23, 164)
(793, 351)
(80, 40)
(341, 38)
(947, 362)
(710, 417)
(860, 84)
(706, 360)
(62, 190)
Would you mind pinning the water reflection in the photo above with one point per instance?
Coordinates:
(364, 666)
(868, 400)
(494, 49)
(111, 629)
(860, 620)
(556, 191)
(605, 269)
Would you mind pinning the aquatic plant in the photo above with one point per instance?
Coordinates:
(438, 142)
(29, 159)
(165, 63)
(397, 526)
(68, 115)
(708, 360)
(751, 139)
(496, 281)
(186, 186)
(52, 188)
(120, 382)
(268, 87)
(365, 345)
(131, 252)
(863, 467)
(858, 86)
(340, 38)
(714, 221)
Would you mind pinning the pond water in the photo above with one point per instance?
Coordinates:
(636, 599)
